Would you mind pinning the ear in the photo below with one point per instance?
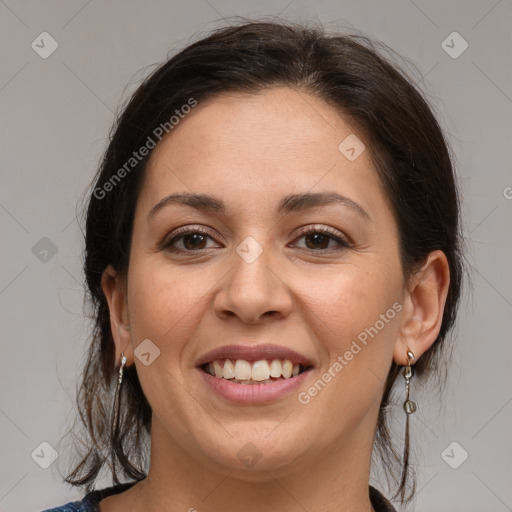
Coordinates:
(423, 308)
(114, 288)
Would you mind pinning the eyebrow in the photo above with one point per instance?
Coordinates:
(290, 203)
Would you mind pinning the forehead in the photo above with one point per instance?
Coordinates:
(259, 145)
(289, 119)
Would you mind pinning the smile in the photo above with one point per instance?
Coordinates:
(264, 371)
(255, 373)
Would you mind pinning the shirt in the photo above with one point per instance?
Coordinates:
(90, 501)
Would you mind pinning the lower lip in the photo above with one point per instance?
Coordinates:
(253, 393)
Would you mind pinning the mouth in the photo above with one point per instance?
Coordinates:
(263, 371)
(254, 373)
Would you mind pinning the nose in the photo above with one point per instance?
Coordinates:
(254, 291)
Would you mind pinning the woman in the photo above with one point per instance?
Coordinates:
(272, 242)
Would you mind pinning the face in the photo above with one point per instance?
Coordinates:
(274, 268)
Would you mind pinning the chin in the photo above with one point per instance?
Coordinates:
(251, 457)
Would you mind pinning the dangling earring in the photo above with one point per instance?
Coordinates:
(121, 369)
(409, 408)
(117, 400)
(409, 405)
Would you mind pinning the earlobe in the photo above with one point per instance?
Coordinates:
(114, 288)
(423, 311)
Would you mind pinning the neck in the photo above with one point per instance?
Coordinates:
(336, 480)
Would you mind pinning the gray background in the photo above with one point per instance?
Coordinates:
(55, 115)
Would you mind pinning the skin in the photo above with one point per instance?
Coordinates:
(250, 151)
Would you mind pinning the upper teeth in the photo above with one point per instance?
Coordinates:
(258, 370)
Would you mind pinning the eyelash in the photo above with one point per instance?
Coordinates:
(179, 234)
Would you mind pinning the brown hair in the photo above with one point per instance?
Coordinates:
(407, 148)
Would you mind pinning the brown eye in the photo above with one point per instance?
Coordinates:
(193, 241)
(318, 239)
(188, 240)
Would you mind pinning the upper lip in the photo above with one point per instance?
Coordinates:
(253, 353)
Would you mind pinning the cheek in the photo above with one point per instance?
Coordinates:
(356, 319)
(161, 304)
(357, 345)
(357, 323)
(347, 301)
(163, 308)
